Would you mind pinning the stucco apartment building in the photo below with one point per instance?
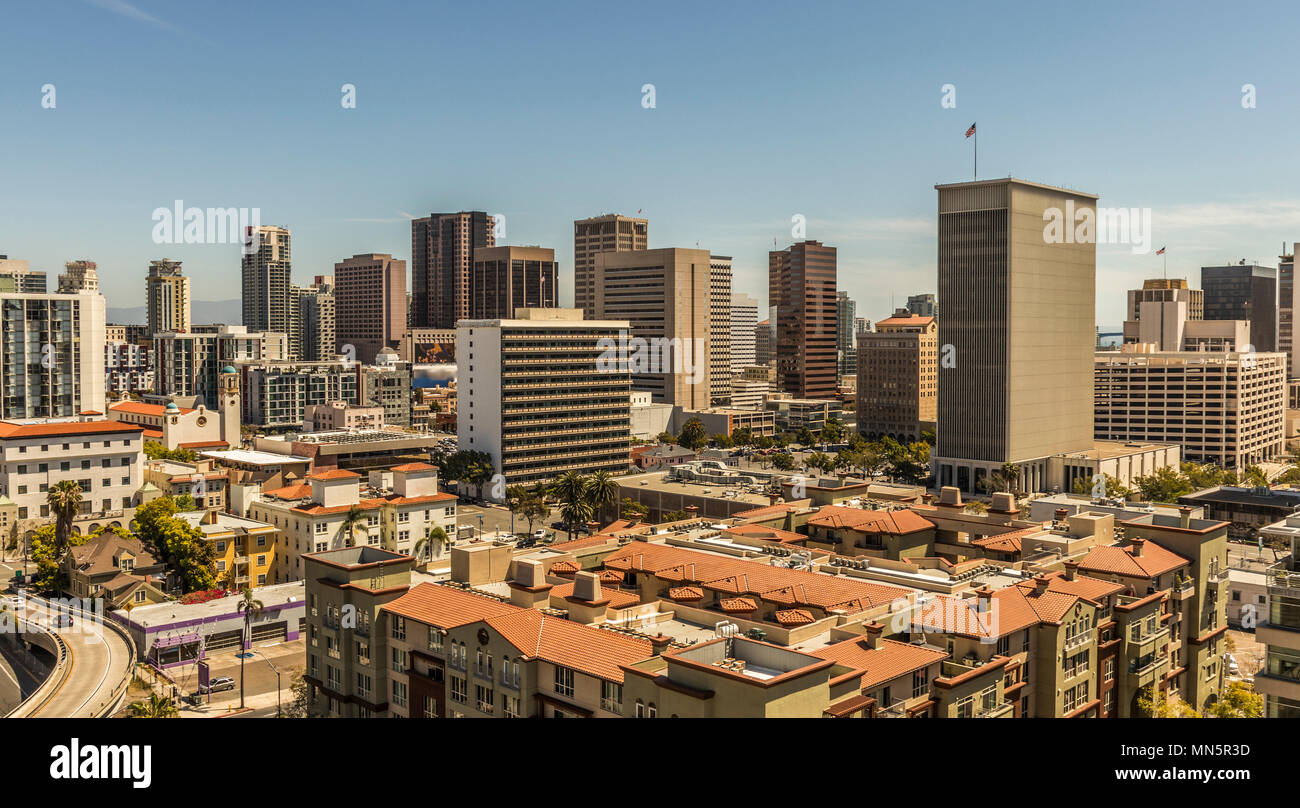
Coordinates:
(243, 549)
(311, 515)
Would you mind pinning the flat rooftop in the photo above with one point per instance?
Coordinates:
(250, 458)
(165, 614)
(1111, 449)
(226, 522)
(658, 481)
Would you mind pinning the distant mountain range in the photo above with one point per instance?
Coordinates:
(202, 312)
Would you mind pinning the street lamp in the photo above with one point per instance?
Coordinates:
(480, 526)
(277, 679)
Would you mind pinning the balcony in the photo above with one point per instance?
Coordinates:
(1283, 580)
(1078, 640)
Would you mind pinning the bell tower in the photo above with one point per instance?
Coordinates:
(228, 405)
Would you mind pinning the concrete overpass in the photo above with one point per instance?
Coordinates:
(92, 663)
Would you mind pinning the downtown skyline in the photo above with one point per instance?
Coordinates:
(850, 135)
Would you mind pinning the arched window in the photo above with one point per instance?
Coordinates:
(652, 711)
(640, 709)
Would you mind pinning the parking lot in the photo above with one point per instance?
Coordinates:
(259, 678)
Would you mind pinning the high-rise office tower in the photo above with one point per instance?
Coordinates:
(923, 305)
(55, 363)
(542, 400)
(801, 287)
(763, 342)
(314, 337)
(1017, 334)
(845, 350)
(369, 304)
(266, 276)
(442, 256)
(17, 277)
(1286, 298)
(191, 364)
(507, 278)
(80, 276)
(167, 297)
(1167, 290)
(664, 295)
(608, 233)
(719, 329)
(744, 322)
(898, 377)
(1244, 292)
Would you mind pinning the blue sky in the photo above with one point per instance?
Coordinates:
(533, 110)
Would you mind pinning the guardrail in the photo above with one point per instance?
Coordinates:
(58, 674)
(61, 671)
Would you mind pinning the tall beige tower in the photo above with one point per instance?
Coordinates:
(167, 298)
(665, 296)
(80, 276)
(1017, 336)
(608, 233)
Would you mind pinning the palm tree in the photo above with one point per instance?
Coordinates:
(569, 487)
(65, 502)
(351, 525)
(156, 707)
(424, 546)
(602, 490)
(575, 513)
(251, 608)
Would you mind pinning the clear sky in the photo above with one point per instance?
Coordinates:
(533, 110)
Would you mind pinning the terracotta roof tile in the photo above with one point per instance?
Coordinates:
(9, 429)
(594, 651)
(879, 665)
(794, 617)
(1155, 560)
(617, 599)
(738, 604)
(864, 521)
(445, 606)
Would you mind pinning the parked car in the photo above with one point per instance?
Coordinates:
(538, 535)
(218, 684)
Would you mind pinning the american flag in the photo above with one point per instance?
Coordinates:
(970, 131)
(1160, 251)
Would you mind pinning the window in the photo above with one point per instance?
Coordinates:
(399, 627)
(363, 685)
(651, 711)
(459, 690)
(430, 707)
(640, 709)
(611, 697)
(510, 706)
(435, 639)
(920, 682)
(1110, 669)
(399, 694)
(564, 681)
(484, 700)
(399, 660)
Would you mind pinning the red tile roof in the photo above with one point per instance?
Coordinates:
(1155, 560)
(299, 491)
(414, 467)
(780, 585)
(335, 474)
(9, 429)
(879, 665)
(913, 320)
(445, 606)
(738, 604)
(593, 651)
(140, 408)
(617, 599)
(864, 521)
(794, 617)
(686, 593)
(766, 534)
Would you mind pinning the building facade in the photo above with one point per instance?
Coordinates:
(266, 273)
(442, 257)
(54, 354)
(898, 377)
(801, 287)
(608, 233)
(369, 305)
(507, 278)
(167, 298)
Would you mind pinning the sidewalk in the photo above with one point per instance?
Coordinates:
(220, 709)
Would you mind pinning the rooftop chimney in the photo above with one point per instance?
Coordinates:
(874, 631)
(1071, 570)
(1040, 584)
(660, 643)
(1137, 546)
(1184, 516)
(1003, 502)
(1060, 514)
(984, 598)
(528, 572)
(586, 586)
(950, 495)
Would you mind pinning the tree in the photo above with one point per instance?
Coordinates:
(569, 487)
(423, 548)
(805, 436)
(185, 502)
(783, 461)
(1113, 488)
(1165, 485)
(820, 461)
(534, 508)
(721, 441)
(666, 438)
(155, 706)
(49, 561)
(601, 490)
(633, 510)
(1005, 479)
(64, 498)
(574, 514)
(1238, 701)
(928, 435)
(299, 707)
(1254, 477)
(1156, 703)
(674, 516)
(352, 524)
(251, 608)
(156, 451)
(975, 506)
(693, 435)
(833, 430)
(469, 467)
(1206, 475)
(742, 437)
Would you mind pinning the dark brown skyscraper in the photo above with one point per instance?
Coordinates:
(801, 287)
(442, 255)
(509, 278)
(608, 233)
